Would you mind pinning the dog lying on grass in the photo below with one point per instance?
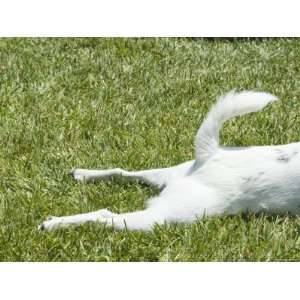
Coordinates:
(221, 180)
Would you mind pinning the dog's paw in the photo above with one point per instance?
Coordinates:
(78, 174)
(50, 223)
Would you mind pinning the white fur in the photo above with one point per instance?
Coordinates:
(219, 181)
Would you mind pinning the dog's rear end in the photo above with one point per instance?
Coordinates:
(219, 180)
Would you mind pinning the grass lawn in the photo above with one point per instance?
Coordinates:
(135, 104)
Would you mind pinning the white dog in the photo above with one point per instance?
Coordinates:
(221, 180)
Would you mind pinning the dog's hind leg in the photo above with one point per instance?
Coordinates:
(139, 220)
(153, 177)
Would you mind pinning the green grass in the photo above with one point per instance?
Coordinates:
(135, 104)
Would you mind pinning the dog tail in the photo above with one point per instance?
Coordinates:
(228, 106)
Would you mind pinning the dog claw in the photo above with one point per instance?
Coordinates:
(41, 227)
(71, 172)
